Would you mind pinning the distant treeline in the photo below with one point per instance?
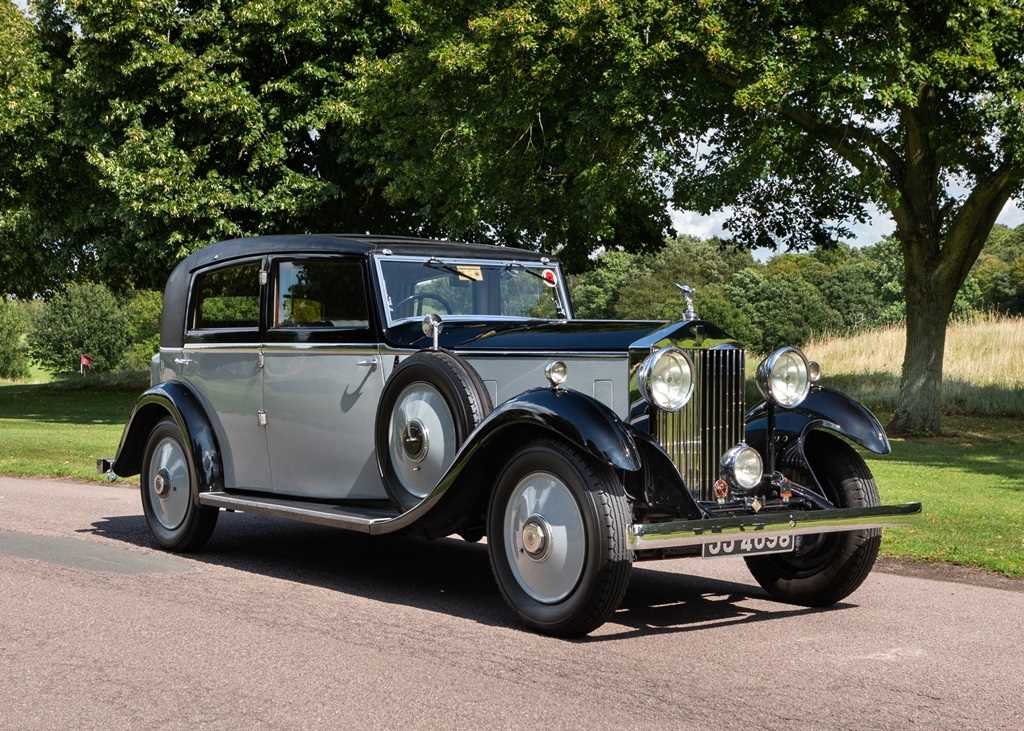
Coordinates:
(791, 297)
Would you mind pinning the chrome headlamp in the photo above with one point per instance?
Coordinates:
(666, 378)
(742, 467)
(785, 377)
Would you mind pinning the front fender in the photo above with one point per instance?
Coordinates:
(563, 413)
(574, 416)
(823, 409)
(176, 400)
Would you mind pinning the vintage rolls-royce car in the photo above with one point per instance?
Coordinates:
(384, 385)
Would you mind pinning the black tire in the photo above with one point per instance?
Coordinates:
(199, 520)
(606, 514)
(462, 390)
(826, 568)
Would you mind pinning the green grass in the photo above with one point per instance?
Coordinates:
(971, 483)
(49, 430)
(972, 487)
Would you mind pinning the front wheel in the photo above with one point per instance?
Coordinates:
(169, 493)
(826, 568)
(556, 535)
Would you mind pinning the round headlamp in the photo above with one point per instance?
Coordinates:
(742, 467)
(784, 377)
(666, 378)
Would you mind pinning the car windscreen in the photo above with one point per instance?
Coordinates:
(463, 288)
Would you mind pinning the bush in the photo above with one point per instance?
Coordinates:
(142, 312)
(13, 350)
(84, 318)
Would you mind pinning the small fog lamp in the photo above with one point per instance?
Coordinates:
(742, 467)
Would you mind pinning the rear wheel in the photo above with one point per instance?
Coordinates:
(170, 492)
(826, 568)
(556, 527)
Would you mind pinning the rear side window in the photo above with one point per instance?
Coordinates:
(320, 293)
(228, 297)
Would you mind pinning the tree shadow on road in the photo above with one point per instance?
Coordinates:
(448, 576)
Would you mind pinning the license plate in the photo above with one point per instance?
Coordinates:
(747, 546)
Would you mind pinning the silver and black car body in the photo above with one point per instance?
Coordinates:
(386, 385)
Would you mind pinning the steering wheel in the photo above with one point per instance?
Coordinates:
(419, 298)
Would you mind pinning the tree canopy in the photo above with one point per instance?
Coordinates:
(798, 116)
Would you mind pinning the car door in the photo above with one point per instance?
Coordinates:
(221, 361)
(322, 379)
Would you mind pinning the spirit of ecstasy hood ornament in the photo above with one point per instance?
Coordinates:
(688, 291)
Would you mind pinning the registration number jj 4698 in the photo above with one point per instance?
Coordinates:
(748, 546)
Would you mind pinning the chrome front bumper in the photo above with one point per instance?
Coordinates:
(675, 533)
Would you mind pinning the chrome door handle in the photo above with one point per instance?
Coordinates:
(371, 363)
(182, 361)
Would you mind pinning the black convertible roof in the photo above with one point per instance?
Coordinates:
(345, 244)
(176, 292)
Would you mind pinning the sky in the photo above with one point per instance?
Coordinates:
(879, 225)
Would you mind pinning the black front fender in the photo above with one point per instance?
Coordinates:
(571, 415)
(560, 413)
(176, 400)
(823, 409)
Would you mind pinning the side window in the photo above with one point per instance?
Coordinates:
(320, 293)
(228, 297)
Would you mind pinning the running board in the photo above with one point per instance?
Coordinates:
(353, 518)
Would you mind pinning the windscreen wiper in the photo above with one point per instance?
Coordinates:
(435, 263)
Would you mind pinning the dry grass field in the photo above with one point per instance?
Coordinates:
(984, 365)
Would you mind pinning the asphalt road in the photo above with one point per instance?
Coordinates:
(282, 624)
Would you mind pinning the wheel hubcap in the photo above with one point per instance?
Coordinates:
(545, 540)
(422, 438)
(168, 483)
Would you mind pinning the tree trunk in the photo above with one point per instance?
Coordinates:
(929, 304)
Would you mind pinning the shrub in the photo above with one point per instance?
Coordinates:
(142, 312)
(84, 318)
(13, 350)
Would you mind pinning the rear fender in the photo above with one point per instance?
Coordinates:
(176, 400)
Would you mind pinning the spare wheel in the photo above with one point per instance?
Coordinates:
(432, 402)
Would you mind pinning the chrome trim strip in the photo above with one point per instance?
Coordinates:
(330, 515)
(321, 348)
(564, 354)
(325, 348)
(672, 534)
(234, 347)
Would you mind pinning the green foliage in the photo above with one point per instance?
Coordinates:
(162, 127)
(83, 319)
(14, 324)
(596, 291)
(142, 314)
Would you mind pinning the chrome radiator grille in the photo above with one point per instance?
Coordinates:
(697, 436)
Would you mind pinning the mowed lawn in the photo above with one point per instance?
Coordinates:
(972, 484)
(49, 431)
(972, 487)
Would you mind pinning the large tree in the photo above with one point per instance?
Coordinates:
(206, 120)
(36, 178)
(550, 121)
